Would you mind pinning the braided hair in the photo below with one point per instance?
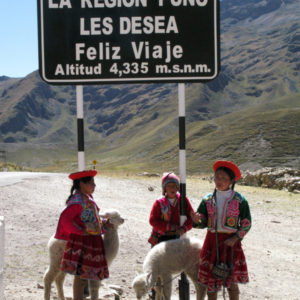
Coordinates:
(76, 185)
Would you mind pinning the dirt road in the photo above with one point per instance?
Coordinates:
(31, 208)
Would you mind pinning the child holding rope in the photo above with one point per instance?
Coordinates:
(165, 213)
(227, 216)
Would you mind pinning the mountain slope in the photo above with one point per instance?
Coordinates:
(250, 113)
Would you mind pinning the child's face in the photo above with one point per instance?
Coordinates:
(88, 187)
(171, 190)
(222, 180)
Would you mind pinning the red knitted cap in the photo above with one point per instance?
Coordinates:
(169, 178)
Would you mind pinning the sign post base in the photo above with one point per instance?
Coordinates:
(184, 288)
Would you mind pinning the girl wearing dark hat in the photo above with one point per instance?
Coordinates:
(81, 226)
(165, 213)
(226, 215)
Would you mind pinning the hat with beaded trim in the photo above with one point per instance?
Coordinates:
(82, 174)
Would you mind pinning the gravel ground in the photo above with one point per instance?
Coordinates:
(31, 206)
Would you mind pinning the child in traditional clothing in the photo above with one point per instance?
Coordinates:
(165, 213)
(81, 226)
(227, 216)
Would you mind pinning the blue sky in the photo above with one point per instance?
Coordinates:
(18, 36)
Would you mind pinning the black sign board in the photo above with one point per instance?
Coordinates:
(115, 41)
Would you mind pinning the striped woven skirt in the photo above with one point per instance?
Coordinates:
(85, 256)
(232, 256)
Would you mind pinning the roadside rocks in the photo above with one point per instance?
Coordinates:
(146, 174)
(275, 178)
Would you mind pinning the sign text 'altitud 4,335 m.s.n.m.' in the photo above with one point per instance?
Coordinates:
(101, 41)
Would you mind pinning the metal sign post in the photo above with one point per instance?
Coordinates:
(182, 154)
(183, 282)
(80, 127)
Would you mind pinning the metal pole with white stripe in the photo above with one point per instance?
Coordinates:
(80, 127)
(184, 293)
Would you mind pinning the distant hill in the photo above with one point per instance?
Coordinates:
(250, 113)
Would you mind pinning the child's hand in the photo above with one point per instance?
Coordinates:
(174, 227)
(107, 224)
(231, 241)
(180, 231)
(195, 217)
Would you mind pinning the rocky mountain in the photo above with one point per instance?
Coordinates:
(250, 113)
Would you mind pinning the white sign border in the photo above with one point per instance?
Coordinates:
(127, 80)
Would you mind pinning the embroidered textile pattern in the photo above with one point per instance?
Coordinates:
(231, 221)
(233, 208)
(91, 218)
(88, 216)
(165, 212)
(245, 223)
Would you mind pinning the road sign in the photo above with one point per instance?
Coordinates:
(114, 41)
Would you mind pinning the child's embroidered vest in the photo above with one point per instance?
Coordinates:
(230, 214)
(165, 208)
(89, 214)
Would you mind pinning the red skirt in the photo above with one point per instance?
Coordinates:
(85, 256)
(208, 257)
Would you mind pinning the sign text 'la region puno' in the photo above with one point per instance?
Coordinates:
(114, 41)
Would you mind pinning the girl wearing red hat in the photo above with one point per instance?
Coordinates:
(81, 226)
(226, 215)
(165, 213)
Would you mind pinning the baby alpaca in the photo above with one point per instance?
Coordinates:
(56, 249)
(166, 259)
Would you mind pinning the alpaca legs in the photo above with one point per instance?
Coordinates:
(56, 249)
(200, 289)
(163, 287)
(49, 277)
(167, 286)
(157, 291)
(59, 281)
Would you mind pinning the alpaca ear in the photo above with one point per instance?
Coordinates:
(148, 279)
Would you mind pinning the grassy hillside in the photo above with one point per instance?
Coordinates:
(250, 113)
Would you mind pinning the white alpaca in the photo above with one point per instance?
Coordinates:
(166, 259)
(56, 249)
